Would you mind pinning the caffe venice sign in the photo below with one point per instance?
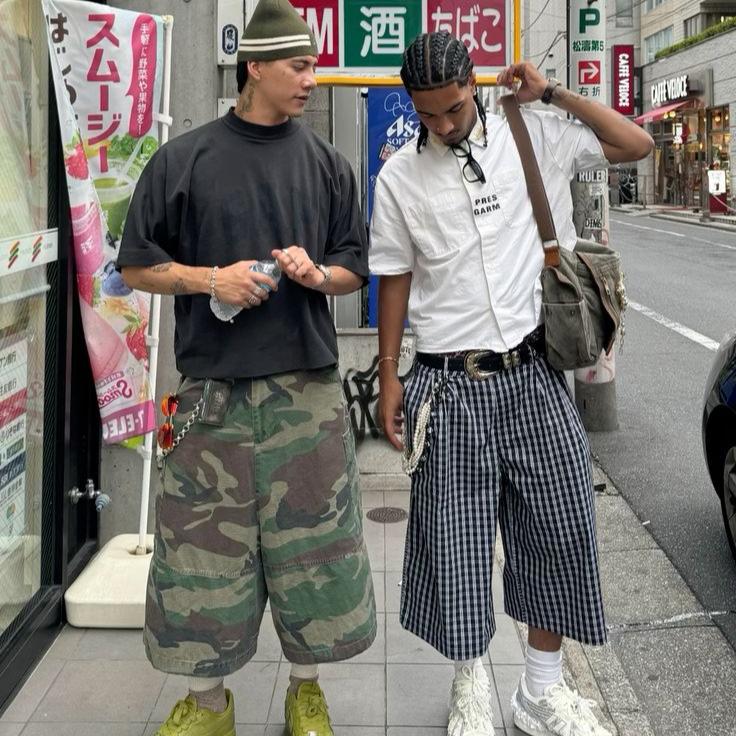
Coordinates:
(669, 90)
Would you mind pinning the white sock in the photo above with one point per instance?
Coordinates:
(542, 670)
(209, 692)
(301, 673)
(202, 684)
(304, 671)
(471, 664)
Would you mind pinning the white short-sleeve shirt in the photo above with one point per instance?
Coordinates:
(473, 249)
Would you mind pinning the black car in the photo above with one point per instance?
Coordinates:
(719, 432)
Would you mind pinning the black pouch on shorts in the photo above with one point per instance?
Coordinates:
(215, 401)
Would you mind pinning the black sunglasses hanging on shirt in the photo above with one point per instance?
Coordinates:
(470, 163)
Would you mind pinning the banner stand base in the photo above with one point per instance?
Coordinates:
(110, 593)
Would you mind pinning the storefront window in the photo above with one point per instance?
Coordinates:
(23, 287)
(720, 137)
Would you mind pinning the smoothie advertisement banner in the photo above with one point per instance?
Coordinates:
(107, 65)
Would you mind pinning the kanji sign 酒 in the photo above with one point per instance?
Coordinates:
(368, 37)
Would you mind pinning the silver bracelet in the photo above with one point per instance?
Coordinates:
(213, 277)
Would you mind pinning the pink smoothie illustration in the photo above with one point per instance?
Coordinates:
(87, 230)
(108, 353)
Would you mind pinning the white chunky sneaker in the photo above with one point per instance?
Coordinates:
(470, 703)
(559, 712)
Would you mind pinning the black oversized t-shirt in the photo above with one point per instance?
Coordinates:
(230, 191)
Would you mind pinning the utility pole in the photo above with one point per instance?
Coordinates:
(595, 387)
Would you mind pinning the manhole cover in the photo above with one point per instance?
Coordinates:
(387, 515)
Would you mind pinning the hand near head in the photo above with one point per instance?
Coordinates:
(532, 83)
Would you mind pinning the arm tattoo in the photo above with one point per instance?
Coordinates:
(568, 95)
(178, 287)
(161, 267)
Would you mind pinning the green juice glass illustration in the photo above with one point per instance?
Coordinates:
(114, 194)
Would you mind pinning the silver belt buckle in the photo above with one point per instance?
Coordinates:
(472, 358)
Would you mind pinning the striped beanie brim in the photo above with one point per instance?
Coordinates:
(276, 31)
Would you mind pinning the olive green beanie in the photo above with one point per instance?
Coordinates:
(276, 31)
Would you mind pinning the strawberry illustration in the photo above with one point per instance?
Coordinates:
(136, 341)
(86, 286)
(76, 163)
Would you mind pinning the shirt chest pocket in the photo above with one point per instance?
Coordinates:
(441, 224)
(512, 195)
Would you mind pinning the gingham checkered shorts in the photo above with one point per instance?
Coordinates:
(509, 449)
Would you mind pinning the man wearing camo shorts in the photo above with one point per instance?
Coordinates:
(260, 497)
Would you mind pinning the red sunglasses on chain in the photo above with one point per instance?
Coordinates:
(169, 405)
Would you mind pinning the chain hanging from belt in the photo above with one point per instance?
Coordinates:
(411, 458)
(162, 454)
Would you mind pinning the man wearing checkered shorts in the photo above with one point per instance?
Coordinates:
(488, 428)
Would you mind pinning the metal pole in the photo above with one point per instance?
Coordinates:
(155, 317)
(595, 387)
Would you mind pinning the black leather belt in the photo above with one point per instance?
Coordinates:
(482, 364)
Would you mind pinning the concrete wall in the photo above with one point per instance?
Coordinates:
(669, 13)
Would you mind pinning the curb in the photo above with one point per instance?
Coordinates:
(693, 221)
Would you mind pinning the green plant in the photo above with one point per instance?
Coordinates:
(715, 30)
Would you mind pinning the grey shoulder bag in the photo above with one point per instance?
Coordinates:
(583, 295)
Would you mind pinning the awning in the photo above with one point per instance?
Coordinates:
(659, 112)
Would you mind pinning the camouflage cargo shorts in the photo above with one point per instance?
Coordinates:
(265, 507)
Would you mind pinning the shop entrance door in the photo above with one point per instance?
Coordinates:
(48, 426)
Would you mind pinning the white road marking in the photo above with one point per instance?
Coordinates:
(679, 618)
(670, 324)
(677, 235)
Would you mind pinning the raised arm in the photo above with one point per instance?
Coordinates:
(621, 139)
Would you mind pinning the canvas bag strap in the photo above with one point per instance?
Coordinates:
(534, 183)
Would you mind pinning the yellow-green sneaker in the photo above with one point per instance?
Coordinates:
(306, 712)
(186, 719)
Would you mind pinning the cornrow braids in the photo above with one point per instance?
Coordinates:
(436, 60)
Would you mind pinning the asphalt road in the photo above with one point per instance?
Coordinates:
(686, 275)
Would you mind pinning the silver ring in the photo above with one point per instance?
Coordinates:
(253, 300)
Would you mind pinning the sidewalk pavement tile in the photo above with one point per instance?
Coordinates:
(687, 688)
(111, 644)
(65, 643)
(104, 692)
(404, 731)
(355, 693)
(507, 677)
(505, 646)
(618, 527)
(643, 586)
(393, 591)
(418, 696)
(31, 694)
(371, 499)
(395, 540)
(11, 729)
(375, 540)
(83, 729)
(403, 647)
(379, 590)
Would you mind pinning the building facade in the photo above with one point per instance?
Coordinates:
(689, 102)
